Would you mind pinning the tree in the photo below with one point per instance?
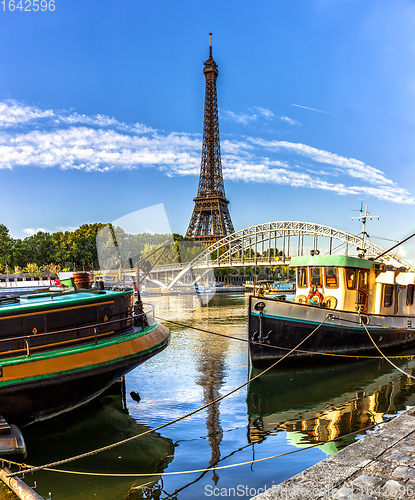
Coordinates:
(33, 270)
(6, 247)
(51, 270)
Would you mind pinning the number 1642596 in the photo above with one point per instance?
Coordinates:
(28, 5)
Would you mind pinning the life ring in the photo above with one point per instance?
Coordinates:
(301, 299)
(331, 302)
(315, 296)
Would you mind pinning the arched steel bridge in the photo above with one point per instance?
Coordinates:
(272, 244)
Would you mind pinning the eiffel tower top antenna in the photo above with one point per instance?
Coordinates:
(210, 220)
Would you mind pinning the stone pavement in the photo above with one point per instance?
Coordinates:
(380, 466)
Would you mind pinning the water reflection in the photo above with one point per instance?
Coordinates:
(94, 426)
(211, 365)
(323, 403)
(282, 411)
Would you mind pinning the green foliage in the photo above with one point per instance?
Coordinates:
(6, 245)
(78, 250)
(33, 270)
(51, 270)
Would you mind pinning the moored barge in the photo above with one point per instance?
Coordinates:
(354, 306)
(61, 350)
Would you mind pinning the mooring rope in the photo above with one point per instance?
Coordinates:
(113, 445)
(211, 468)
(388, 360)
(253, 342)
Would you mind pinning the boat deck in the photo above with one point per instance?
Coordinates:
(34, 300)
(42, 321)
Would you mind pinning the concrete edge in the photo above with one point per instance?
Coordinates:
(320, 480)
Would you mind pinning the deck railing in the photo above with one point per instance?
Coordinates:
(23, 343)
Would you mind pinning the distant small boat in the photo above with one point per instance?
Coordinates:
(202, 289)
(270, 287)
(10, 282)
(60, 350)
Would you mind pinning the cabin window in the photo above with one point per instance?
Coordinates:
(387, 295)
(351, 278)
(302, 281)
(315, 277)
(409, 295)
(332, 277)
(363, 280)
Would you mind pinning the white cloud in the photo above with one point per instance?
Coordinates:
(256, 113)
(13, 114)
(33, 230)
(242, 118)
(350, 166)
(65, 228)
(84, 148)
(101, 143)
(102, 121)
(268, 114)
(290, 121)
(264, 173)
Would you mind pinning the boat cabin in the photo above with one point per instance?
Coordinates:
(353, 284)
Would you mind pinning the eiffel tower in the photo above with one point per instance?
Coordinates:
(211, 219)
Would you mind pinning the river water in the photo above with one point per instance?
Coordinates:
(284, 411)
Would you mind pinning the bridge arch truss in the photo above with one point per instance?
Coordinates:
(274, 243)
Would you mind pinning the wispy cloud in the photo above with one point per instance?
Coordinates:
(313, 109)
(242, 118)
(256, 113)
(255, 117)
(66, 228)
(266, 113)
(57, 139)
(290, 121)
(14, 114)
(102, 121)
(349, 166)
(33, 230)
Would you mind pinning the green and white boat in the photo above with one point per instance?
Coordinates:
(59, 350)
(352, 304)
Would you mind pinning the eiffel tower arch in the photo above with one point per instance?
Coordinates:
(211, 219)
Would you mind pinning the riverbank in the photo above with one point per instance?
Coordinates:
(378, 466)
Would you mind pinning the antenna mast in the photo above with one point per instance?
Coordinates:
(364, 216)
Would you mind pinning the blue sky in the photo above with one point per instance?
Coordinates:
(101, 111)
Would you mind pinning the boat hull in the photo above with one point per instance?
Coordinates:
(46, 384)
(278, 326)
